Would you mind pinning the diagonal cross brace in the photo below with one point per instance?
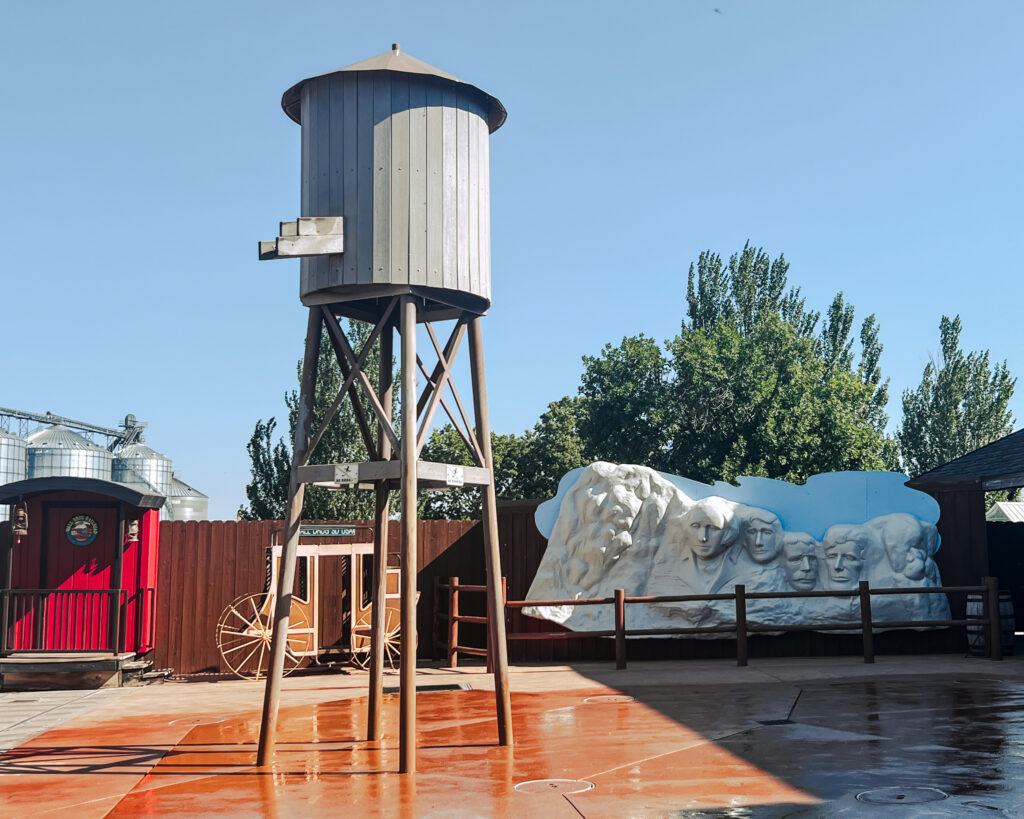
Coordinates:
(356, 363)
(442, 375)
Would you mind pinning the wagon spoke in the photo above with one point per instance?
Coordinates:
(259, 663)
(248, 657)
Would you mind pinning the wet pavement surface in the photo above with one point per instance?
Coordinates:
(892, 746)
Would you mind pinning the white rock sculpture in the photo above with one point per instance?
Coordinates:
(632, 528)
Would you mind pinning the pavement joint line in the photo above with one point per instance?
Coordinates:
(54, 708)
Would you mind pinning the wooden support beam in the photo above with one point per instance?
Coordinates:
(431, 475)
(466, 436)
(407, 680)
(495, 607)
(336, 333)
(382, 509)
(372, 448)
(286, 571)
(444, 359)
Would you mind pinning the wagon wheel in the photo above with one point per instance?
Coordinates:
(392, 641)
(244, 633)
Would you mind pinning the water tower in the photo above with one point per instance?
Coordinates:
(395, 231)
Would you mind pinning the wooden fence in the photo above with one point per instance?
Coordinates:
(204, 565)
(447, 620)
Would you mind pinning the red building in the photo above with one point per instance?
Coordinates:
(78, 564)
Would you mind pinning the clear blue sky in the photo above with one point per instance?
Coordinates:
(144, 152)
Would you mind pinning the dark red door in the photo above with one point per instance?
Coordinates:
(80, 551)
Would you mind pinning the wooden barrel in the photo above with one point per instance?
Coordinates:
(977, 644)
(1007, 623)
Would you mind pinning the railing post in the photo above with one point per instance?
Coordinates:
(433, 619)
(620, 628)
(867, 632)
(42, 602)
(741, 625)
(5, 601)
(453, 623)
(995, 646)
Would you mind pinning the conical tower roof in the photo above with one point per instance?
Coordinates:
(180, 489)
(138, 450)
(58, 437)
(399, 62)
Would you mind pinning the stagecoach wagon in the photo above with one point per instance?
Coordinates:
(333, 578)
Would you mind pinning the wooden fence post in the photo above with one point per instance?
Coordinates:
(741, 625)
(620, 628)
(433, 619)
(995, 646)
(867, 632)
(453, 623)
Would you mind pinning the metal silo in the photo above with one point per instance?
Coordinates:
(185, 502)
(399, 149)
(56, 451)
(13, 464)
(139, 466)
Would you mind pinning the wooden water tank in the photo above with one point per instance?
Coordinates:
(400, 150)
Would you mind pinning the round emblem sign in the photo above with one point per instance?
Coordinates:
(82, 530)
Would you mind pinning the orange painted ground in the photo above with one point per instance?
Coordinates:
(640, 762)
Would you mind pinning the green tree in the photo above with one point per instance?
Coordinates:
(445, 445)
(749, 386)
(959, 406)
(271, 465)
(267, 492)
(622, 396)
(553, 447)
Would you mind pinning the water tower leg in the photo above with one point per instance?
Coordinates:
(492, 555)
(380, 552)
(286, 573)
(407, 682)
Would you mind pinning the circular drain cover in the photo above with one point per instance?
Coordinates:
(195, 721)
(555, 786)
(610, 698)
(901, 796)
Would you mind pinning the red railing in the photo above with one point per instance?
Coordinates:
(739, 629)
(66, 620)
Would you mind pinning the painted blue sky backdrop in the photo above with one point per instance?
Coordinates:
(143, 153)
(812, 507)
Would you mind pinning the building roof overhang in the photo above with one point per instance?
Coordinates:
(23, 490)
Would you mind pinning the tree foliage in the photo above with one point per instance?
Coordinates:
(749, 386)
(960, 405)
(267, 492)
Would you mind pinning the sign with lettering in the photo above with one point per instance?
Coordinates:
(328, 531)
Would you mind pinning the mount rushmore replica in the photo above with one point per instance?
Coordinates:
(630, 527)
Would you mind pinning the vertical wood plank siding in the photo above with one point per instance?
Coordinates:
(405, 159)
(205, 565)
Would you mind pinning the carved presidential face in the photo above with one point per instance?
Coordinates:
(705, 530)
(845, 548)
(762, 536)
(801, 560)
(907, 550)
(618, 506)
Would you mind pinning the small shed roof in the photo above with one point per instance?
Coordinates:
(1006, 512)
(20, 490)
(401, 63)
(1000, 465)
